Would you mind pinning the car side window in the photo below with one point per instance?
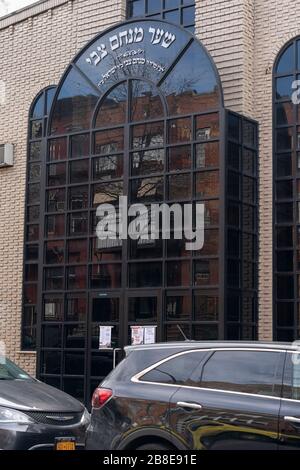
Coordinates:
(254, 372)
(177, 370)
(291, 381)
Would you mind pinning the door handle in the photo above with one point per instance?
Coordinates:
(292, 419)
(192, 406)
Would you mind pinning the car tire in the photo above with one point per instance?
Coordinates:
(153, 446)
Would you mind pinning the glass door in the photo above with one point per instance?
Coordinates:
(104, 311)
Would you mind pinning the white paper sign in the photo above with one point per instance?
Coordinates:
(149, 334)
(137, 335)
(105, 337)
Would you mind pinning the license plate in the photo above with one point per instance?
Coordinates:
(65, 444)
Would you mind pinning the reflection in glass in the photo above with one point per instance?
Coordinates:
(142, 309)
(146, 162)
(178, 273)
(148, 135)
(53, 309)
(147, 190)
(106, 168)
(206, 306)
(77, 251)
(79, 171)
(187, 90)
(206, 272)
(112, 110)
(179, 187)
(286, 63)
(106, 276)
(207, 126)
(56, 174)
(55, 200)
(76, 277)
(109, 141)
(57, 149)
(54, 252)
(107, 193)
(207, 155)
(179, 158)
(78, 197)
(179, 130)
(76, 308)
(55, 226)
(145, 274)
(207, 184)
(284, 88)
(80, 146)
(145, 102)
(35, 151)
(78, 223)
(178, 307)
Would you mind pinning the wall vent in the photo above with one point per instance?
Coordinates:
(6, 155)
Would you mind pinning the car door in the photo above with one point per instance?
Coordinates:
(233, 404)
(289, 421)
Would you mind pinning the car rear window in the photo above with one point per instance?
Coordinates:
(177, 370)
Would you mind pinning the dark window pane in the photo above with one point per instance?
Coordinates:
(140, 249)
(178, 273)
(178, 308)
(284, 213)
(285, 262)
(249, 161)
(49, 99)
(77, 251)
(207, 155)
(206, 306)
(74, 387)
(31, 252)
(179, 158)
(106, 310)
(76, 309)
(285, 314)
(54, 278)
(51, 362)
(106, 276)
(284, 139)
(79, 171)
(107, 193)
(106, 250)
(79, 197)
(147, 135)
(234, 127)
(180, 187)
(109, 141)
(244, 371)
(56, 174)
(55, 200)
(286, 63)
(234, 155)
(177, 370)
(32, 233)
(31, 273)
(76, 277)
(205, 332)
(211, 213)
(285, 287)
(249, 133)
(233, 273)
(211, 243)
(78, 223)
(33, 193)
(57, 149)
(179, 130)
(75, 336)
(249, 190)
(207, 184)
(150, 161)
(284, 189)
(142, 309)
(188, 16)
(34, 172)
(80, 146)
(55, 226)
(233, 243)
(146, 103)
(233, 214)
(52, 336)
(206, 272)
(147, 190)
(284, 237)
(36, 130)
(106, 168)
(74, 363)
(284, 88)
(39, 107)
(177, 248)
(53, 309)
(172, 333)
(284, 114)
(35, 151)
(54, 252)
(30, 294)
(284, 164)
(145, 275)
(113, 108)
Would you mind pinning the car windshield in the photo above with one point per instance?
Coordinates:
(9, 371)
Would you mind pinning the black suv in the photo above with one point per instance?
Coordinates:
(198, 396)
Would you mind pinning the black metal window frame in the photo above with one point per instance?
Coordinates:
(163, 9)
(37, 131)
(286, 181)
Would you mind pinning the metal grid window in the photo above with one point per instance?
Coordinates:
(286, 167)
(180, 12)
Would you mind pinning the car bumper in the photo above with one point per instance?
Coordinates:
(38, 436)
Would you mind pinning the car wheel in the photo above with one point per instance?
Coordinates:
(153, 446)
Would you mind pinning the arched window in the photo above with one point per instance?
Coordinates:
(36, 140)
(286, 168)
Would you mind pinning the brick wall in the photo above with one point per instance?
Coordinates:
(36, 46)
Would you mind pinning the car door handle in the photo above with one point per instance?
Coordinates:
(192, 406)
(292, 419)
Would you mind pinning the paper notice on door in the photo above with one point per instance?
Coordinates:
(149, 334)
(105, 337)
(137, 335)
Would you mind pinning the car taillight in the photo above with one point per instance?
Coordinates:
(100, 397)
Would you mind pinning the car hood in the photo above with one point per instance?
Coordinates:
(34, 395)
